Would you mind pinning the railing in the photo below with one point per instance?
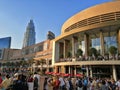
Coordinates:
(90, 58)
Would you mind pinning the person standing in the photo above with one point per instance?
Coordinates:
(0, 78)
(35, 87)
(113, 85)
(50, 83)
(85, 83)
(118, 84)
(30, 82)
(38, 77)
(62, 83)
(6, 82)
(56, 83)
(79, 84)
(103, 86)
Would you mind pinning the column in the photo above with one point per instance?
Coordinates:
(61, 50)
(55, 54)
(118, 41)
(69, 70)
(47, 64)
(75, 69)
(64, 48)
(91, 75)
(87, 71)
(73, 47)
(63, 69)
(75, 44)
(56, 69)
(102, 43)
(59, 69)
(86, 39)
(114, 72)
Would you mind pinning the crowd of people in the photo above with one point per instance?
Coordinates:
(81, 83)
(20, 81)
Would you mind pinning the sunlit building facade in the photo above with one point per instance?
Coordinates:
(97, 27)
(35, 53)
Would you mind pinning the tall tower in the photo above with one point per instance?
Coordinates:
(29, 35)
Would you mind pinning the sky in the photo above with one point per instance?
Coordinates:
(47, 15)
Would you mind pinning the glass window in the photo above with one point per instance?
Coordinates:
(110, 40)
(95, 42)
(82, 43)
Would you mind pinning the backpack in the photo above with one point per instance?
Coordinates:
(80, 83)
(85, 82)
(35, 82)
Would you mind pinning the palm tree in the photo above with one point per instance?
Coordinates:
(8, 64)
(30, 62)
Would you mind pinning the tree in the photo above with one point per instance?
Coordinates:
(61, 56)
(113, 50)
(93, 51)
(69, 55)
(79, 52)
(30, 62)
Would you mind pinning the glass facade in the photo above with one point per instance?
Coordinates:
(5, 42)
(110, 39)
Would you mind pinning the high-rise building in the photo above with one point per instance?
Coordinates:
(4, 43)
(29, 36)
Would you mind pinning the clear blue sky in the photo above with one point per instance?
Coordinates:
(46, 14)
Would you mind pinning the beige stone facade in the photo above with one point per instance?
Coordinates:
(7, 54)
(97, 27)
(42, 50)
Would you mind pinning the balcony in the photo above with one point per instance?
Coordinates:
(100, 60)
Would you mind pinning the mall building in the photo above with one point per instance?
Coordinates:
(97, 27)
(35, 56)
